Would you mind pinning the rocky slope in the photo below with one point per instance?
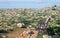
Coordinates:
(11, 17)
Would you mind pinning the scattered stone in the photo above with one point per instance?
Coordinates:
(28, 33)
(47, 36)
(21, 25)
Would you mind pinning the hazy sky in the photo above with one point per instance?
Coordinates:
(28, 3)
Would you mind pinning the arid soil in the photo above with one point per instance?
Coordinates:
(21, 33)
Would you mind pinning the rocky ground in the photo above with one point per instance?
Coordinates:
(11, 18)
(21, 33)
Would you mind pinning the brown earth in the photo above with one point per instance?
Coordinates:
(21, 33)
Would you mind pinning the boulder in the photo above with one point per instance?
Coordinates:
(47, 36)
(21, 25)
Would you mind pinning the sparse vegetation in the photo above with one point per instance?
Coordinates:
(11, 17)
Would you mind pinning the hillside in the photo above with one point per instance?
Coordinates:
(9, 18)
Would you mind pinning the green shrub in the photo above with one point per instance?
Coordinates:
(39, 36)
(56, 36)
(53, 16)
(23, 20)
(58, 21)
(3, 31)
(10, 21)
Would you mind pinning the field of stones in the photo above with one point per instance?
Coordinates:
(25, 23)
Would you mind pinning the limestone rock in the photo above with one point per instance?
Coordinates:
(20, 25)
(47, 36)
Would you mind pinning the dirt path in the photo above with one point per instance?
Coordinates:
(21, 33)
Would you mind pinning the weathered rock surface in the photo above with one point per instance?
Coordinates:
(47, 36)
(20, 25)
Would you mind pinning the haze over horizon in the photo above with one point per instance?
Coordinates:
(28, 3)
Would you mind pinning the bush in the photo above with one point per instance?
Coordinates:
(3, 31)
(56, 36)
(58, 21)
(53, 16)
(10, 21)
(23, 20)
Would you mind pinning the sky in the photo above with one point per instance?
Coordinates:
(28, 3)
